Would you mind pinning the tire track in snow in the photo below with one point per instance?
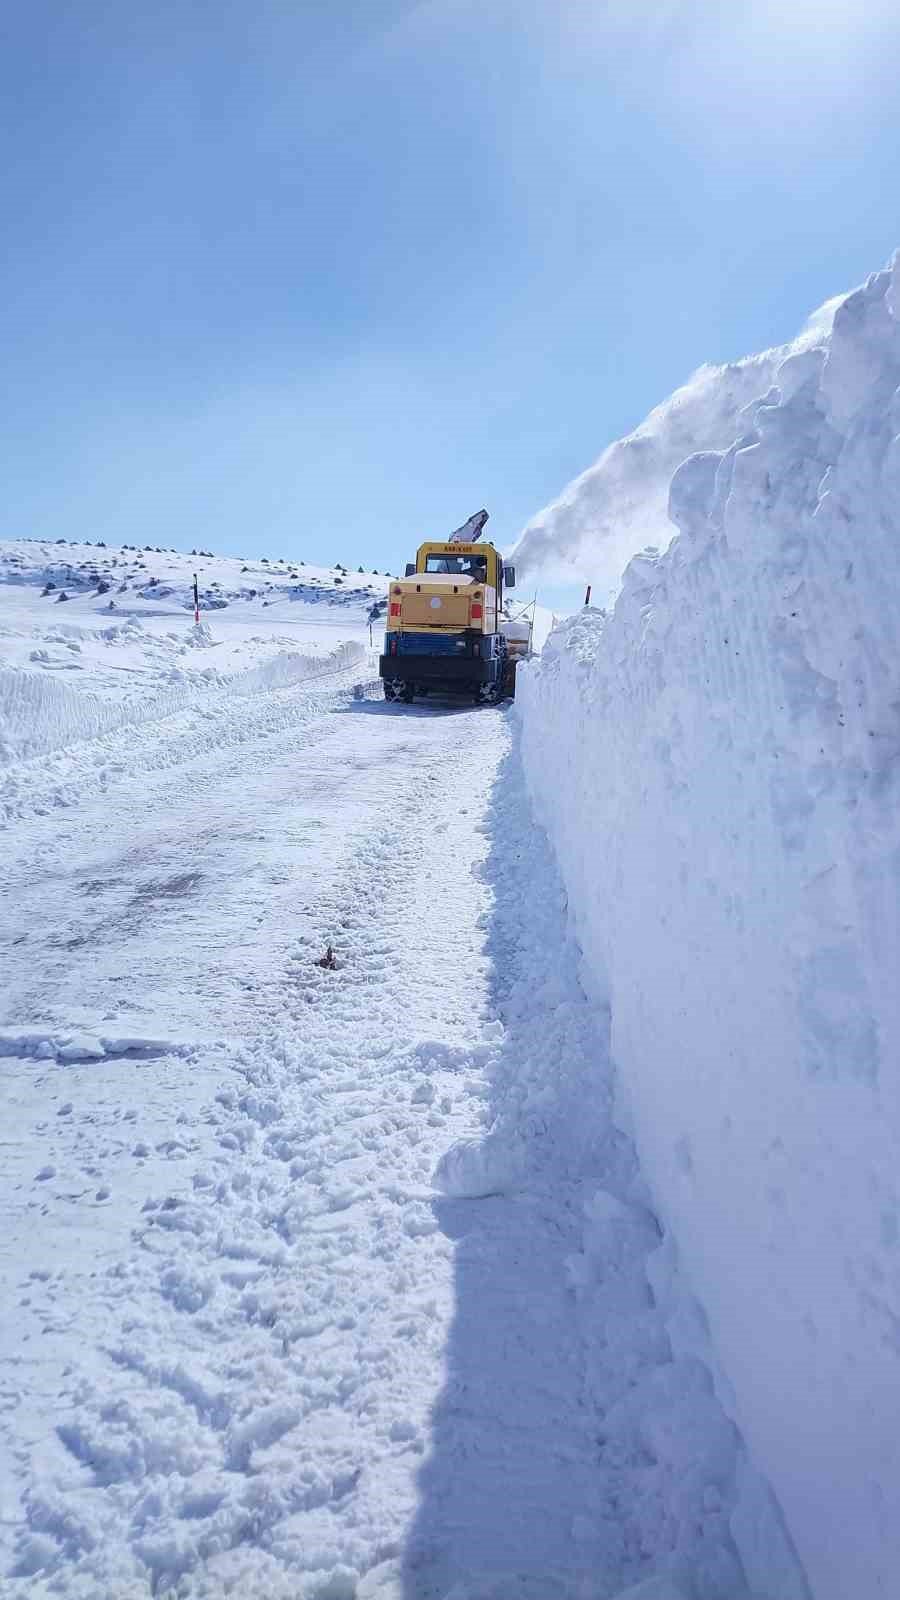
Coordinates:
(319, 1138)
(316, 1375)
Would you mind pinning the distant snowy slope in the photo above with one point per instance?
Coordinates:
(93, 637)
(718, 766)
(619, 505)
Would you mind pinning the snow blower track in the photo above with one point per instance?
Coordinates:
(329, 1279)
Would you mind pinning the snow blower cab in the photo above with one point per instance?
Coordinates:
(444, 630)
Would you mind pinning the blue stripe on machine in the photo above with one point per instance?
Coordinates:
(431, 644)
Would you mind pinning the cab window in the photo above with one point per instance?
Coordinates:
(458, 566)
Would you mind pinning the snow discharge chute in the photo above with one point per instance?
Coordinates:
(471, 530)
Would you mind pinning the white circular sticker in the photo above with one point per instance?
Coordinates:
(435, 604)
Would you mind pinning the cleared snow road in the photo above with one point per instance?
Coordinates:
(325, 1282)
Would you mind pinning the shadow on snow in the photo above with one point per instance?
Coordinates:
(434, 707)
(572, 1456)
(513, 1463)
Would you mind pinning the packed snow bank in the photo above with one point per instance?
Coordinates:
(619, 504)
(39, 714)
(718, 765)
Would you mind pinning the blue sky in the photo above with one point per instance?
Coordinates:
(320, 278)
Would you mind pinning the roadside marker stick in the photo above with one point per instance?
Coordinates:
(196, 600)
(587, 595)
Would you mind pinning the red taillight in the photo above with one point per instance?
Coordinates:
(395, 608)
(393, 649)
(477, 613)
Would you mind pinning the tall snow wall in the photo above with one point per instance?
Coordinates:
(718, 766)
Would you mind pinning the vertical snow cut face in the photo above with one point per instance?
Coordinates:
(718, 766)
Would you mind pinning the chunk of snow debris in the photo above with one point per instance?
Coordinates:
(341, 1583)
(81, 1047)
(473, 1168)
(257, 1431)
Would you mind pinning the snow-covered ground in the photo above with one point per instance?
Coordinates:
(92, 638)
(325, 1278)
(718, 766)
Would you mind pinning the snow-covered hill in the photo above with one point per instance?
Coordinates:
(718, 766)
(93, 639)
